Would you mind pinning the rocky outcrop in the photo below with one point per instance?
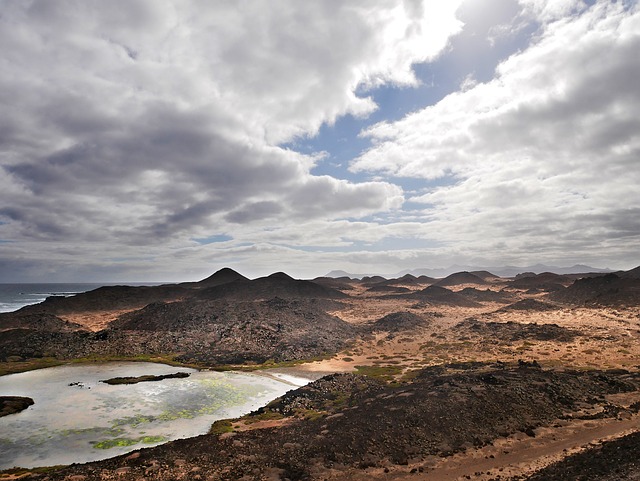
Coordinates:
(39, 321)
(14, 404)
(460, 278)
(514, 331)
(114, 381)
(533, 305)
(108, 298)
(547, 282)
(399, 321)
(210, 332)
(486, 295)
(607, 290)
(437, 295)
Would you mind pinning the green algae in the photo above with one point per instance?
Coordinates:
(134, 421)
(114, 443)
(125, 442)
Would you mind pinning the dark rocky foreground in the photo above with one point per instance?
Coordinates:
(347, 423)
(14, 404)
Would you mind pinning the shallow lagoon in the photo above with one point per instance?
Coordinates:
(76, 418)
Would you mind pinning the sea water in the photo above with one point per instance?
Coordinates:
(15, 296)
(76, 418)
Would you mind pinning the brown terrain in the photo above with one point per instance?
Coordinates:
(467, 377)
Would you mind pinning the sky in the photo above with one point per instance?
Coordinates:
(161, 140)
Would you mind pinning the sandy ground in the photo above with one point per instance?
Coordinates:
(610, 337)
(96, 320)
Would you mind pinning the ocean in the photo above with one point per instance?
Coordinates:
(15, 296)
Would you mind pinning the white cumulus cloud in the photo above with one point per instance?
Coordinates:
(541, 161)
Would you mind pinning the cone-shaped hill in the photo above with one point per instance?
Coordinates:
(630, 274)
(399, 321)
(222, 331)
(485, 275)
(370, 280)
(406, 280)
(341, 283)
(547, 281)
(440, 295)
(460, 278)
(278, 284)
(223, 276)
(426, 280)
(609, 289)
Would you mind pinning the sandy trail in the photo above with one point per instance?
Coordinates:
(508, 457)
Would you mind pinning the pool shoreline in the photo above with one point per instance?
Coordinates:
(121, 418)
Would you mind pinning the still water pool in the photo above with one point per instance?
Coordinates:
(76, 418)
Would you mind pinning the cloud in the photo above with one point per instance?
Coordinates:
(134, 125)
(541, 160)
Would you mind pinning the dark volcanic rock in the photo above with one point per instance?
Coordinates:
(40, 321)
(223, 276)
(515, 331)
(529, 305)
(630, 274)
(340, 283)
(213, 332)
(486, 295)
(399, 321)
(547, 281)
(486, 275)
(406, 280)
(426, 280)
(370, 280)
(606, 290)
(388, 289)
(108, 298)
(147, 378)
(440, 295)
(347, 422)
(14, 404)
(275, 285)
(460, 278)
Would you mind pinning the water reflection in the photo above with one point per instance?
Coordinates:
(76, 418)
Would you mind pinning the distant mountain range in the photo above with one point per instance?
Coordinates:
(503, 271)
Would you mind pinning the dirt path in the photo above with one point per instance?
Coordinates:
(523, 456)
(517, 455)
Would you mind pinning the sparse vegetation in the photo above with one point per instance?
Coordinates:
(385, 373)
(221, 427)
